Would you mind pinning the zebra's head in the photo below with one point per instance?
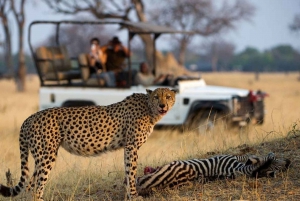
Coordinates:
(277, 165)
(268, 166)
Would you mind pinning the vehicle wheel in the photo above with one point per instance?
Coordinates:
(259, 112)
(259, 120)
(204, 121)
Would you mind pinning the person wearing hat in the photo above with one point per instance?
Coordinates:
(116, 54)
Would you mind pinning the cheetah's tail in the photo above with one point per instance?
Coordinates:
(13, 191)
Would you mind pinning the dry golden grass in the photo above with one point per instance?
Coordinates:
(101, 178)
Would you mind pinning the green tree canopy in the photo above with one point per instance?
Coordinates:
(279, 58)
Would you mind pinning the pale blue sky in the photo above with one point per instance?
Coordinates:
(269, 26)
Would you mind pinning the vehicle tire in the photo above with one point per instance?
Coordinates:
(259, 112)
(204, 121)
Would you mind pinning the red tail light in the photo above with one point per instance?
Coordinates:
(258, 96)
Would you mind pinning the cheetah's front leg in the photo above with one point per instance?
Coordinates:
(130, 160)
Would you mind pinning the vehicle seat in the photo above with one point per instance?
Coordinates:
(54, 64)
(87, 77)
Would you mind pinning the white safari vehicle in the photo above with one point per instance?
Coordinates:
(197, 105)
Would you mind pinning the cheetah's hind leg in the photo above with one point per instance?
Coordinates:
(41, 173)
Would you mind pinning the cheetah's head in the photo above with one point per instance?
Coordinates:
(161, 100)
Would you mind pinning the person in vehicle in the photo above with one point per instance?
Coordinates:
(96, 57)
(116, 54)
(97, 60)
(146, 78)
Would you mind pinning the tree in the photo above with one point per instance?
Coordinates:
(295, 25)
(4, 12)
(7, 6)
(147, 40)
(17, 7)
(278, 58)
(101, 9)
(203, 17)
(248, 60)
(219, 52)
(286, 58)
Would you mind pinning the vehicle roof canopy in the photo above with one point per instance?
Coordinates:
(134, 27)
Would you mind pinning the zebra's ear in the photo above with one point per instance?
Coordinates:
(271, 174)
(252, 160)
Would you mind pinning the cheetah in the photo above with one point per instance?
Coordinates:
(89, 131)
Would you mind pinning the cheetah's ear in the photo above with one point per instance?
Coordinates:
(149, 91)
(175, 91)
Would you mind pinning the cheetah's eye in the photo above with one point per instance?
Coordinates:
(168, 97)
(156, 97)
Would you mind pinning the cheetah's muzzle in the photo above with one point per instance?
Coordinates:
(162, 112)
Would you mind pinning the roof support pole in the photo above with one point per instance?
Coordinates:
(154, 52)
(57, 34)
(130, 36)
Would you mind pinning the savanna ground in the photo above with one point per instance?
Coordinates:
(101, 178)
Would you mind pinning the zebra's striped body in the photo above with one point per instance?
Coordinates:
(181, 172)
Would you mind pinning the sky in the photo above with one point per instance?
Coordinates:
(268, 27)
